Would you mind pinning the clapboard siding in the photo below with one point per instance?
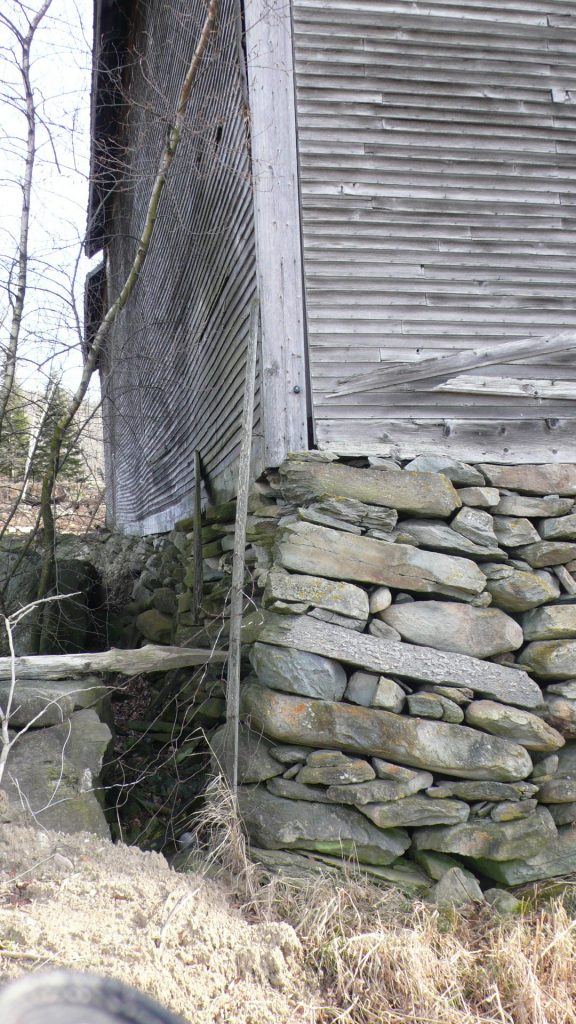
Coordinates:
(438, 180)
(177, 353)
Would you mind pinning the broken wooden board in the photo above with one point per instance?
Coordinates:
(409, 661)
(150, 658)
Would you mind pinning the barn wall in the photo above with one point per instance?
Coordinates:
(437, 145)
(175, 362)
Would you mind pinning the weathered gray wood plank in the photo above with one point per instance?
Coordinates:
(150, 658)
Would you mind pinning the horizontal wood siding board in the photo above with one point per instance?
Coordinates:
(177, 352)
(438, 183)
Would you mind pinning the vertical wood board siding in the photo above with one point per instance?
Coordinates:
(177, 352)
(437, 144)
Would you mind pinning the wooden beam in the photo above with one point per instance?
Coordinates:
(150, 658)
(277, 221)
(509, 387)
(440, 368)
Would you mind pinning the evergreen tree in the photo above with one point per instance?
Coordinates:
(15, 436)
(72, 462)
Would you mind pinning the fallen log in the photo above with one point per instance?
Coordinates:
(150, 658)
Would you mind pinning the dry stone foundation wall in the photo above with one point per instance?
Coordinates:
(409, 693)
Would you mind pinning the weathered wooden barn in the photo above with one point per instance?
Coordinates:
(394, 179)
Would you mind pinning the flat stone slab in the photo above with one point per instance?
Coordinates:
(457, 472)
(473, 791)
(441, 537)
(297, 671)
(550, 659)
(477, 525)
(554, 479)
(494, 840)
(420, 743)
(553, 622)
(416, 812)
(514, 724)
(289, 789)
(334, 596)
(457, 627)
(380, 790)
(558, 858)
(49, 702)
(424, 664)
(425, 493)
(514, 531)
(275, 823)
(534, 508)
(479, 497)
(350, 770)
(547, 552)
(306, 548)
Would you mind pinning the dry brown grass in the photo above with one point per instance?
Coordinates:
(383, 959)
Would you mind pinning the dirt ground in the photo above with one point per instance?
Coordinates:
(84, 903)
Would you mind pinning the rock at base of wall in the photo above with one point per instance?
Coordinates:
(274, 823)
(496, 841)
(255, 762)
(556, 859)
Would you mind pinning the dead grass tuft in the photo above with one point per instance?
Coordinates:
(381, 958)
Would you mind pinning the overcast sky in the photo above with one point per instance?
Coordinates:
(61, 75)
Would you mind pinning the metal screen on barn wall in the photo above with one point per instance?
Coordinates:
(175, 362)
(437, 145)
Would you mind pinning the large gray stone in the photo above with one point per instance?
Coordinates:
(567, 761)
(54, 774)
(416, 812)
(334, 596)
(553, 479)
(479, 497)
(452, 626)
(375, 691)
(274, 823)
(456, 888)
(562, 528)
(296, 671)
(517, 590)
(557, 858)
(494, 840)
(547, 552)
(357, 513)
(346, 771)
(424, 493)
(305, 548)
(557, 791)
(457, 472)
(289, 789)
(535, 508)
(514, 724)
(513, 531)
(550, 659)
(440, 537)
(424, 664)
(553, 622)
(255, 762)
(419, 743)
(48, 702)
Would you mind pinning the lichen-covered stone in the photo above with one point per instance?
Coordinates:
(342, 598)
(380, 790)
(457, 472)
(424, 493)
(518, 590)
(513, 531)
(380, 599)
(555, 859)
(348, 771)
(486, 790)
(561, 528)
(155, 626)
(534, 508)
(441, 537)
(371, 690)
(513, 811)
(499, 841)
(553, 622)
(477, 525)
(295, 671)
(561, 714)
(305, 548)
(557, 791)
(425, 705)
(416, 812)
(419, 743)
(479, 497)
(289, 789)
(558, 478)
(547, 552)
(273, 823)
(550, 659)
(514, 724)
(41, 703)
(453, 626)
